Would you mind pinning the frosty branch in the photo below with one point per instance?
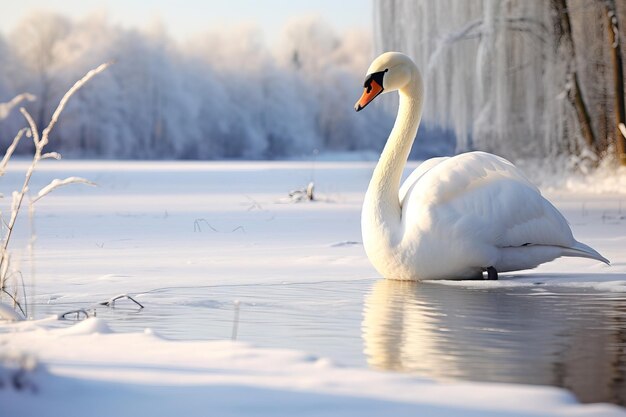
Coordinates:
(476, 29)
(5, 108)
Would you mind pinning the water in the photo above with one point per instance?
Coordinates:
(573, 338)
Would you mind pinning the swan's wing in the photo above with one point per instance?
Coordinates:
(483, 198)
(448, 177)
(417, 174)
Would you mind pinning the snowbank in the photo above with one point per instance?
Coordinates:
(89, 371)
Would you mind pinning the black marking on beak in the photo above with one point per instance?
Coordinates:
(375, 78)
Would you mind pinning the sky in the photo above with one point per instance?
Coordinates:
(183, 18)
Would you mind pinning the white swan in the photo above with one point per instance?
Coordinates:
(453, 218)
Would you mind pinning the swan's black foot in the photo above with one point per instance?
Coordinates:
(492, 274)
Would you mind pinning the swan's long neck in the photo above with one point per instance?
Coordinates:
(382, 199)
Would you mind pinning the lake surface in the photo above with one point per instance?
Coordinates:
(567, 337)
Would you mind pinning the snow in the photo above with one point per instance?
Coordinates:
(90, 372)
(146, 227)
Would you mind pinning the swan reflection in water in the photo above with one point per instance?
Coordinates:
(570, 338)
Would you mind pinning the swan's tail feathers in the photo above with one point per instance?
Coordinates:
(584, 251)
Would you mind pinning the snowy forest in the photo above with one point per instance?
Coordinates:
(520, 78)
(526, 79)
(222, 94)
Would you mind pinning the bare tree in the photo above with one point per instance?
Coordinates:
(618, 79)
(565, 39)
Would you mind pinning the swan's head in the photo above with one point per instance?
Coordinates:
(389, 72)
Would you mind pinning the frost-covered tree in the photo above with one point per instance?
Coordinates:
(522, 78)
(334, 67)
(37, 39)
(223, 94)
(565, 49)
(615, 46)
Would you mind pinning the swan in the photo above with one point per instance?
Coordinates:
(453, 217)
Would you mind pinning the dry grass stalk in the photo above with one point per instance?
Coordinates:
(40, 142)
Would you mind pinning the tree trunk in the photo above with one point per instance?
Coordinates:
(564, 37)
(576, 97)
(618, 80)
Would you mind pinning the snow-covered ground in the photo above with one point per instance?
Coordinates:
(157, 225)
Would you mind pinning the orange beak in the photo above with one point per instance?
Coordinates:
(373, 87)
(369, 94)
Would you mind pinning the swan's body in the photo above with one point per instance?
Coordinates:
(452, 218)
